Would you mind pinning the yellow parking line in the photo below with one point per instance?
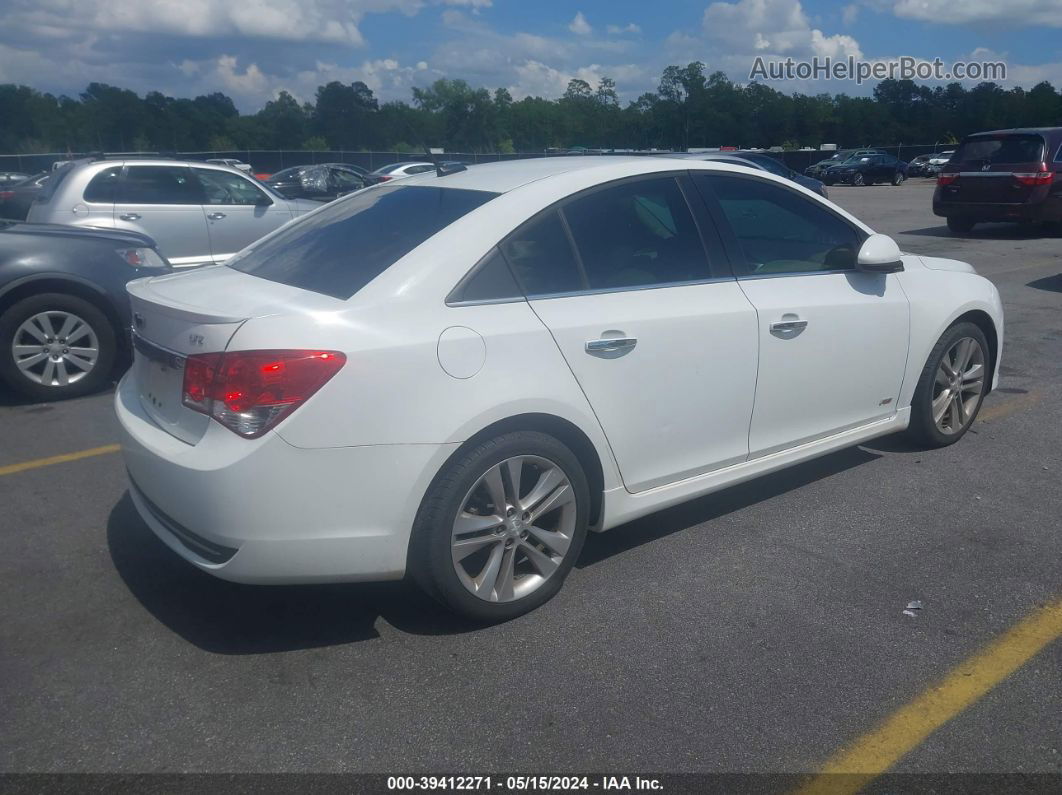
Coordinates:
(858, 764)
(999, 410)
(11, 469)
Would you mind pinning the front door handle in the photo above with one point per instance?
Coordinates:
(216, 216)
(130, 216)
(611, 345)
(784, 326)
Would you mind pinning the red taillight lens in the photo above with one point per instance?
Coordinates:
(384, 178)
(249, 392)
(946, 179)
(6, 194)
(1041, 177)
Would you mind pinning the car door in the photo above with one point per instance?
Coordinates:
(661, 341)
(833, 340)
(238, 212)
(164, 202)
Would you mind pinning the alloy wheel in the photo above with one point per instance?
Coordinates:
(958, 385)
(514, 528)
(55, 348)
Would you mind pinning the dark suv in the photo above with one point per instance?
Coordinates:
(1004, 175)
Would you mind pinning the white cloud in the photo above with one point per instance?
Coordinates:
(618, 30)
(579, 25)
(778, 27)
(849, 14)
(333, 21)
(1012, 12)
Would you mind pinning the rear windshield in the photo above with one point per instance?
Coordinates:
(343, 247)
(1019, 148)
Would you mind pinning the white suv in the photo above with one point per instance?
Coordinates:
(197, 213)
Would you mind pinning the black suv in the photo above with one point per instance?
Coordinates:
(63, 305)
(1004, 175)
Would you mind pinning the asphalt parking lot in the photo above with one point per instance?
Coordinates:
(757, 630)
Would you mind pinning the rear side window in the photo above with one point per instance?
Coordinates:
(637, 234)
(542, 258)
(1021, 148)
(341, 248)
(103, 185)
(221, 187)
(490, 281)
(159, 185)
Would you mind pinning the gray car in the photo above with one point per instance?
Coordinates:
(198, 213)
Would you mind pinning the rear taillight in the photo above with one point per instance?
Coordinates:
(1041, 177)
(946, 179)
(249, 392)
(6, 194)
(384, 178)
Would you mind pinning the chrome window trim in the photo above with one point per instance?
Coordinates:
(798, 273)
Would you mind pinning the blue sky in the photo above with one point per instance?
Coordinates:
(252, 49)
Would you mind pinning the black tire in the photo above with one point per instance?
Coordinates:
(858, 180)
(430, 559)
(923, 429)
(898, 178)
(93, 317)
(960, 226)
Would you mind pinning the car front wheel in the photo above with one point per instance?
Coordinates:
(951, 388)
(858, 180)
(55, 346)
(501, 526)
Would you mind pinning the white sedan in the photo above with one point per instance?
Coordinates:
(458, 376)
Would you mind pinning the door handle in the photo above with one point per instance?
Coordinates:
(130, 216)
(216, 216)
(789, 325)
(611, 345)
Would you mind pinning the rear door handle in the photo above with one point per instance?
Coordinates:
(130, 216)
(789, 325)
(216, 216)
(611, 345)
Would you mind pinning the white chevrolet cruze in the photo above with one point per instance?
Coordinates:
(458, 376)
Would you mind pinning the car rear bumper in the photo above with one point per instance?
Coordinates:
(1048, 210)
(264, 511)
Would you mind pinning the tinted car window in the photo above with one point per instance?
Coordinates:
(542, 258)
(346, 180)
(103, 185)
(341, 248)
(1000, 149)
(221, 187)
(636, 234)
(780, 231)
(419, 169)
(490, 281)
(159, 185)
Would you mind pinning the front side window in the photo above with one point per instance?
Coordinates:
(780, 231)
(222, 187)
(103, 186)
(541, 257)
(159, 185)
(339, 249)
(637, 234)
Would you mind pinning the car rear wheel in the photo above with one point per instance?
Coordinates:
(897, 178)
(858, 180)
(951, 388)
(960, 226)
(501, 526)
(55, 346)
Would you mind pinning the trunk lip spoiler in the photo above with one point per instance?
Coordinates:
(141, 290)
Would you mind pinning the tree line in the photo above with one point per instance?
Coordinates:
(690, 107)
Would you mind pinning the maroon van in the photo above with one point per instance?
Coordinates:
(1005, 175)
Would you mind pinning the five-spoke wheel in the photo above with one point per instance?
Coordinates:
(952, 385)
(501, 526)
